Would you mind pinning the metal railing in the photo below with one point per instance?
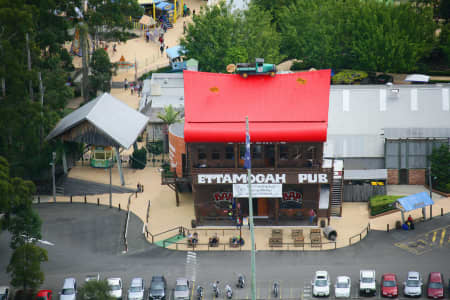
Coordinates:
(360, 235)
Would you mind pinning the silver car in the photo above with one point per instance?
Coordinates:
(69, 289)
(136, 290)
(182, 291)
(413, 285)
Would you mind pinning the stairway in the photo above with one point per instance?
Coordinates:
(336, 196)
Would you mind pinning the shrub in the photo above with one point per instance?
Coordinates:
(348, 76)
(382, 203)
(139, 158)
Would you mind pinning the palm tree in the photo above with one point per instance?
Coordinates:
(169, 117)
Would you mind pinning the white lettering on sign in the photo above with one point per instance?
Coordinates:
(240, 178)
(312, 178)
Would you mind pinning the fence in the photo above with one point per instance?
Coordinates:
(126, 223)
(360, 235)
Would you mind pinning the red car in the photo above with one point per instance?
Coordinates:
(435, 288)
(44, 295)
(389, 286)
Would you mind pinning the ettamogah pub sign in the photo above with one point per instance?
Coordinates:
(262, 178)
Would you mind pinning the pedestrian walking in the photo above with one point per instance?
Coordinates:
(147, 36)
(131, 88)
(114, 49)
(312, 215)
(140, 89)
(125, 84)
(161, 48)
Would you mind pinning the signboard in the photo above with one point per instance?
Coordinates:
(258, 190)
(259, 178)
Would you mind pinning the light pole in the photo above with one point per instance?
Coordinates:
(53, 175)
(430, 185)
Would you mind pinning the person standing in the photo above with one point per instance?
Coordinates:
(312, 215)
(161, 48)
(125, 84)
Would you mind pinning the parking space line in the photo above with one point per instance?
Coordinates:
(442, 237)
(193, 289)
(433, 239)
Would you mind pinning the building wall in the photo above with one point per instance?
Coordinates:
(416, 176)
(392, 176)
(177, 148)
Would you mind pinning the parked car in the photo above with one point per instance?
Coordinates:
(342, 287)
(115, 285)
(136, 289)
(321, 284)
(90, 277)
(435, 288)
(158, 288)
(69, 289)
(44, 295)
(389, 286)
(182, 291)
(4, 292)
(413, 285)
(367, 283)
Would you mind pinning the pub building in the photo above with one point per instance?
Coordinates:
(288, 116)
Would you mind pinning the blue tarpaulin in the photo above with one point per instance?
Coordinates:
(164, 6)
(174, 52)
(415, 201)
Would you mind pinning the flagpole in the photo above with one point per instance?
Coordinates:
(252, 229)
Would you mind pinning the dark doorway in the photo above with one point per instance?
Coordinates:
(184, 165)
(245, 209)
(403, 176)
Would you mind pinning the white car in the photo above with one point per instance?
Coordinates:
(367, 283)
(136, 290)
(413, 285)
(115, 285)
(321, 284)
(69, 289)
(342, 287)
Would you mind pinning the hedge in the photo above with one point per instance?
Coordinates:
(382, 203)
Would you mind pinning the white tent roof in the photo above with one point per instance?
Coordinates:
(110, 116)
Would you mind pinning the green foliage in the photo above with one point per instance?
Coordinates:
(219, 37)
(348, 76)
(382, 203)
(93, 289)
(444, 42)
(440, 170)
(25, 227)
(102, 71)
(170, 115)
(139, 158)
(25, 266)
(367, 35)
(155, 148)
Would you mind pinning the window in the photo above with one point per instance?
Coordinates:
(201, 153)
(242, 151)
(257, 151)
(229, 152)
(215, 155)
(284, 152)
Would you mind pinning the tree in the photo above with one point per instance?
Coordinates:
(169, 117)
(25, 227)
(93, 289)
(219, 36)
(440, 170)
(102, 71)
(366, 35)
(25, 266)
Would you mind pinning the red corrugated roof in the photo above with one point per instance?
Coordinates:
(288, 107)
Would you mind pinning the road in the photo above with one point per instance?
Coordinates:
(87, 239)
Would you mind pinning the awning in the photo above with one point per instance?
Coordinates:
(164, 6)
(174, 52)
(415, 201)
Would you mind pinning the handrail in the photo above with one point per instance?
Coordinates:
(126, 223)
(367, 229)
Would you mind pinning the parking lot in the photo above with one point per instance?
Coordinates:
(437, 238)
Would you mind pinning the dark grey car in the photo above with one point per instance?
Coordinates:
(158, 288)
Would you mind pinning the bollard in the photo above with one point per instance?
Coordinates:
(387, 227)
(98, 201)
(142, 188)
(442, 211)
(119, 206)
(70, 198)
(85, 199)
(136, 194)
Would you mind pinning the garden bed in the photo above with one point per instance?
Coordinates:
(381, 204)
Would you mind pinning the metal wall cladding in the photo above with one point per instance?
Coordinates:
(410, 154)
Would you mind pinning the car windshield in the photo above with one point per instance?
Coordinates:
(342, 285)
(413, 283)
(389, 283)
(321, 282)
(157, 286)
(367, 279)
(181, 288)
(68, 291)
(135, 289)
(115, 287)
(435, 285)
